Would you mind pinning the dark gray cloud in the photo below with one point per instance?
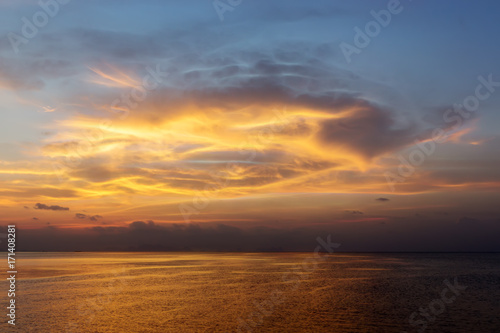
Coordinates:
(90, 217)
(382, 199)
(468, 221)
(370, 132)
(448, 118)
(354, 212)
(46, 207)
(412, 235)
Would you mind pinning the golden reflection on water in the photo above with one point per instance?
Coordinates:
(221, 292)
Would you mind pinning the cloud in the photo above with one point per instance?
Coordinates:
(382, 199)
(217, 109)
(140, 225)
(149, 236)
(48, 109)
(371, 131)
(45, 207)
(35, 218)
(31, 73)
(27, 192)
(468, 221)
(364, 235)
(90, 217)
(354, 212)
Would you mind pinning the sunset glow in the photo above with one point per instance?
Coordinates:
(276, 133)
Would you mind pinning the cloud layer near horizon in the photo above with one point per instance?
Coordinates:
(467, 234)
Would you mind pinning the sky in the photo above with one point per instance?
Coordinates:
(250, 125)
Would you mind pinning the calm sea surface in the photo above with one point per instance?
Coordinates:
(255, 292)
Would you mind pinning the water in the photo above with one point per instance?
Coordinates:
(270, 292)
